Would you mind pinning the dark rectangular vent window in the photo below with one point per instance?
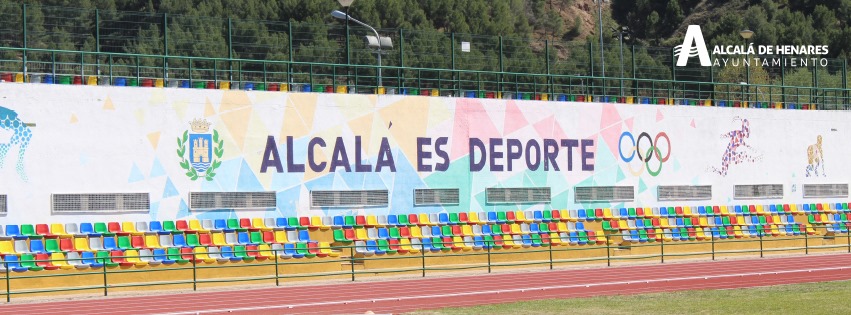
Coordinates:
(519, 195)
(759, 191)
(825, 190)
(232, 200)
(605, 193)
(449, 196)
(349, 198)
(112, 202)
(676, 193)
(3, 207)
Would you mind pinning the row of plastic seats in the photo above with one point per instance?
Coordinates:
(447, 243)
(826, 218)
(630, 224)
(150, 241)
(317, 222)
(701, 234)
(354, 234)
(143, 257)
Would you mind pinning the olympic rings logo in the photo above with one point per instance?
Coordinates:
(635, 148)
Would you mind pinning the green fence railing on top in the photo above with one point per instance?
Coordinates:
(72, 41)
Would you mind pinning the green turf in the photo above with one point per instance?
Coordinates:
(811, 298)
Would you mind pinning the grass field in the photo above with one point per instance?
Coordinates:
(810, 298)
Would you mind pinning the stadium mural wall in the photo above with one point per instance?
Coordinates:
(170, 142)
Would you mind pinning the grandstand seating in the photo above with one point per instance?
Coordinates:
(29, 247)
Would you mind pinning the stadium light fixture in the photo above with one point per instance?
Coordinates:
(377, 40)
(746, 34)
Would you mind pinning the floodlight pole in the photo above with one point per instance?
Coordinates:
(341, 15)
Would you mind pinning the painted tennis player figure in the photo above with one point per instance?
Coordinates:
(732, 155)
(815, 159)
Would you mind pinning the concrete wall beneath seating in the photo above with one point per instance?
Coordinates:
(98, 139)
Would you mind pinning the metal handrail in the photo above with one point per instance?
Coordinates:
(490, 249)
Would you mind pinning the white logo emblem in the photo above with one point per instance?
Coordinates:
(693, 45)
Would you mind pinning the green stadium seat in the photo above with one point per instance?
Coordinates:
(28, 261)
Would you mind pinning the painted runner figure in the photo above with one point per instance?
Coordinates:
(733, 155)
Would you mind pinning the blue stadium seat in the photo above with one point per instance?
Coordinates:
(88, 229)
(303, 236)
(383, 233)
(339, 221)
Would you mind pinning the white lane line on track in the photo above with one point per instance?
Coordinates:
(374, 300)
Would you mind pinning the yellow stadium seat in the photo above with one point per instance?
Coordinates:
(664, 223)
(467, 230)
(555, 239)
(630, 100)
(58, 259)
(132, 256)
(565, 215)
(152, 241)
(195, 225)
(435, 92)
(202, 254)
(325, 248)
(545, 97)
(520, 216)
(7, 247)
(704, 221)
(794, 208)
(707, 103)
(515, 229)
(264, 251)
(424, 220)
(342, 89)
(416, 232)
(281, 237)
(459, 241)
(759, 209)
(129, 227)
(58, 229)
(724, 210)
(159, 83)
(258, 223)
(687, 211)
(219, 239)
(562, 227)
(224, 85)
(473, 218)
(607, 213)
(92, 80)
(371, 220)
(380, 90)
(360, 234)
(316, 221)
(19, 77)
(405, 243)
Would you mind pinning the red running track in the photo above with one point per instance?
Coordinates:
(413, 294)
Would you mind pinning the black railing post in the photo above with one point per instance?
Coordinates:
(423, 260)
(760, 246)
(277, 274)
(105, 286)
(713, 246)
(608, 254)
(663, 249)
(489, 256)
(352, 261)
(194, 273)
(551, 255)
(8, 282)
(806, 241)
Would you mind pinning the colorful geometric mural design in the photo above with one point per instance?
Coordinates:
(21, 135)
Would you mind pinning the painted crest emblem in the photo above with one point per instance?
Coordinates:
(205, 150)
